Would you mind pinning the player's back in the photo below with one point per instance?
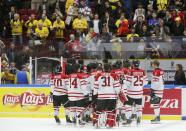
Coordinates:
(75, 92)
(85, 82)
(58, 84)
(157, 82)
(107, 85)
(136, 80)
(92, 76)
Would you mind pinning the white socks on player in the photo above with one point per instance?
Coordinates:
(67, 112)
(156, 109)
(128, 111)
(56, 111)
(138, 110)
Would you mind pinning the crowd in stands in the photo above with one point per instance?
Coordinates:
(76, 25)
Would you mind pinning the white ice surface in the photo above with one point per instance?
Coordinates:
(34, 124)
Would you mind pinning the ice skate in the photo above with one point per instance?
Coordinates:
(68, 119)
(128, 122)
(138, 120)
(57, 119)
(156, 120)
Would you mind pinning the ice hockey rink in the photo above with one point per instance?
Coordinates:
(33, 124)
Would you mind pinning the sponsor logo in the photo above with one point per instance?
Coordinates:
(30, 100)
(169, 105)
(11, 99)
(165, 103)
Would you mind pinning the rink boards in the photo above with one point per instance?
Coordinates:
(34, 101)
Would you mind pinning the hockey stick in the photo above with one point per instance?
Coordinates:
(86, 108)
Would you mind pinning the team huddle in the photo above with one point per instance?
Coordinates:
(105, 94)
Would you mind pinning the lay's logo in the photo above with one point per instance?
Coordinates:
(27, 98)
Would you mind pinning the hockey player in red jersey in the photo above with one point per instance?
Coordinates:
(60, 97)
(135, 82)
(107, 88)
(121, 72)
(157, 87)
(77, 89)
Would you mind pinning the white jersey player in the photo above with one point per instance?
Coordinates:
(77, 89)
(107, 87)
(157, 87)
(60, 98)
(135, 81)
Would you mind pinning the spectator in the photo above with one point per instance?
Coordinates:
(109, 23)
(23, 56)
(45, 21)
(69, 3)
(11, 53)
(177, 28)
(131, 37)
(73, 47)
(91, 40)
(144, 32)
(103, 6)
(162, 5)
(41, 32)
(162, 31)
(85, 10)
(139, 12)
(153, 22)
(152, 49)
(122, 25)
(80, 23)
(12, 68)
(7, 77)
(31, 24)
(179, 75)
(149, 12)
(23, 76)
(72, 13)
(12, 13)
(116, 47)
(58, 28)
(91, 34)
(105, 36)
(139, 25)
(168, 19)
(58, 13)
(4, 58)
(96, 24)
(16, 25)
(117, 8)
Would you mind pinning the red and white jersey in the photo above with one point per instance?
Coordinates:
(92, 78)
(58, 84)
(107, 86)
(157, 82)
(85, 83)
(135, 82)
(76, 88)
(122, 73)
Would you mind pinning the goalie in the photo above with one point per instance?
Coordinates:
(107, 87)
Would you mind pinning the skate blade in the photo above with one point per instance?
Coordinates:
(157, 122)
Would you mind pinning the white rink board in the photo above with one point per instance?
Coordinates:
(32, 124)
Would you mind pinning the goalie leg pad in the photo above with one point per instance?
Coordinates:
(95, 117)
(122, 96)
(111, 118)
